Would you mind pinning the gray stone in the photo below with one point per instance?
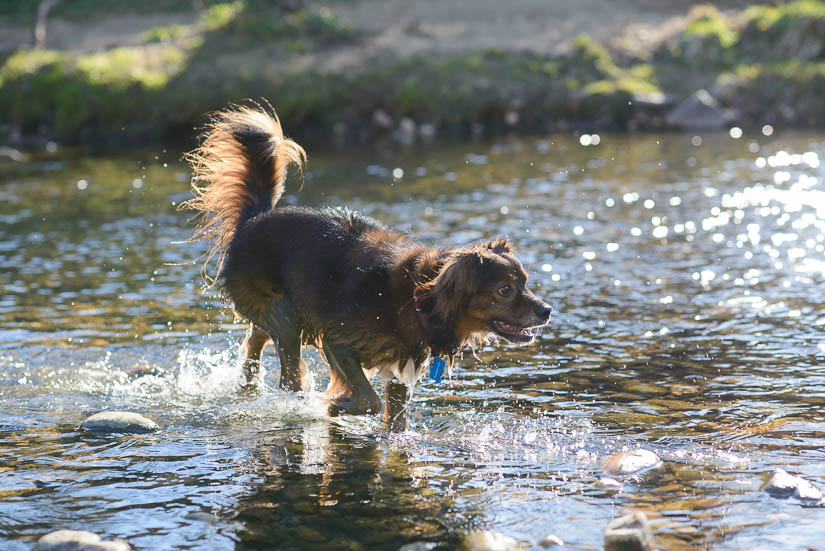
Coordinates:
(78, 540)
(551, 541)
(783, 484)
(629, 533)
(700, 111)
(632, 462)
(119, 421)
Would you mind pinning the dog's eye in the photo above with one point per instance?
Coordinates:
(505, 291)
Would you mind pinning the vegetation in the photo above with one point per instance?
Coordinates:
(769, 62)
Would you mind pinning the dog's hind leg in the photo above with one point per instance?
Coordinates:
(349, 391)
(254, 343)
(282, 325)
(395, 406)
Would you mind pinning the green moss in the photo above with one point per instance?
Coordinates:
(162, 34)
(707, 42)
(708, 24)
(109, 89)
(249, 24)
(220, 15)
(788, 92)
(790, 31)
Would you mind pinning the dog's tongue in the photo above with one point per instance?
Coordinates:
(513, 330)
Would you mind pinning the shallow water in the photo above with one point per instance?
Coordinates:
(688, 286)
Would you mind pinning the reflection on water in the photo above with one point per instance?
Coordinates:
(688, 282)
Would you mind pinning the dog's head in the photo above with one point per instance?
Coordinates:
(480, 290)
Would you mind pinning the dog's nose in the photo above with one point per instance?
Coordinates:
(543, 311)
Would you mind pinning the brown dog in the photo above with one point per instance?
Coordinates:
(371, 298)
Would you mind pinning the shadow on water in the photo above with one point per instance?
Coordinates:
(687, 284)
(327, 487)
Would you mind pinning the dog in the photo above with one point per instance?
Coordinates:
(373, 300)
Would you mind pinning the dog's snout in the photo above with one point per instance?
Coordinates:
(543, 311)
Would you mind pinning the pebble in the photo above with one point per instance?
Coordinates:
(551, 541)
(78, 540)
(783, 484)
(484, 540)
(629, 532)
(119, 421)
(632, 462)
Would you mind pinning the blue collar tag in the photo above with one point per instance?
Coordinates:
(437, 369)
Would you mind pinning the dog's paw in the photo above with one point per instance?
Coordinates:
(352, 405)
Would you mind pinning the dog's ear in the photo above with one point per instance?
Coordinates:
(445, 298)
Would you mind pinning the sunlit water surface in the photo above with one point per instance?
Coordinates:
(688, 285)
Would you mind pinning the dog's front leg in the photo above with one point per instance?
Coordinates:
(395, 406)
(349, 391)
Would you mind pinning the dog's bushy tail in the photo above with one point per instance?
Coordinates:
(238, 172)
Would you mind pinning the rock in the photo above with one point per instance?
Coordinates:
(551, 541)
(629, 533)
(652, 101)
(632, 462)
(806, 491)
(608, 484)
(310, 534)
(208, 518)
(119, 421)
(407, 126)
(700, 111)
(783, 484)
(427, 130)
(418, 546)
(382, 119)
(78, 540)
(484, 540)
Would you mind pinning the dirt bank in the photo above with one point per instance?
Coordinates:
(359, 68)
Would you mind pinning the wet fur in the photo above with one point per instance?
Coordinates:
(366, 295)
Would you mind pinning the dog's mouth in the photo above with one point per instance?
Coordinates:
(512, 333)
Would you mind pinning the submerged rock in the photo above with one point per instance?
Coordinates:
(119, 421)
(418, 546)
(784, 484)
(78, 540)
(632, 462)
(484, 540)
(609, 484)
(551, 541)
(629, 533)
(700, 111)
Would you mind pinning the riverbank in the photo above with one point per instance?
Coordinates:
(354, 71)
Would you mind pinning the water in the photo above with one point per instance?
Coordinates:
(688, 288)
